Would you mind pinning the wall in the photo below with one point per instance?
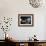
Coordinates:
(11, 8)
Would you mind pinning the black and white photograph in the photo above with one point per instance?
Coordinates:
(25, 19)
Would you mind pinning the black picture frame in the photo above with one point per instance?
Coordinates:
(26, 20)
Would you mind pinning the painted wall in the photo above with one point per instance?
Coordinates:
(11, 8)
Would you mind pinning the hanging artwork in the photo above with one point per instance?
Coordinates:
(25, 20)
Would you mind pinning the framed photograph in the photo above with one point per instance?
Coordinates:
(25, 19)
